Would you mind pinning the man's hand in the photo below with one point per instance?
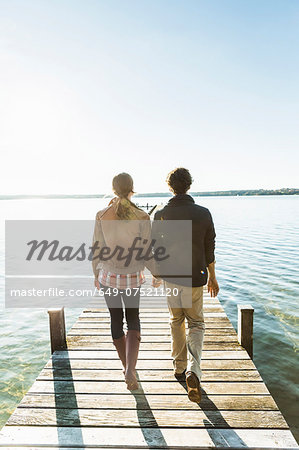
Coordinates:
(156, 282)
(213, 287)
(97, 284)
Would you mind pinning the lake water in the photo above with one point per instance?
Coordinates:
(257, 263)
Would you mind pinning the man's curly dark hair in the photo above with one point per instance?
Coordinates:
(179, 180)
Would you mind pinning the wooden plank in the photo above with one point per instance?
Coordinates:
(167, 387)
(151, 319)
(153, 314)
(53, 447)
(143, 436)
(162, 309)
(94, 307)
(148, 309)
(94, 331)
(118, 448)
(147, 418)
(100, 325)
(96, 342)
(124, 401)
(152, 306)
(147, 354)
(152, 338)
(215, 318)
(145, 375)
(148, 333)
(161, 364)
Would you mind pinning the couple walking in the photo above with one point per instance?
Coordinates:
(121, 285)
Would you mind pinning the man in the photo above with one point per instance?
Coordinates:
(186, 352)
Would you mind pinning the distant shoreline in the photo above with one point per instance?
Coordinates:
(248, 192)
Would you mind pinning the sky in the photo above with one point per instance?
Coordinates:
(92, 88)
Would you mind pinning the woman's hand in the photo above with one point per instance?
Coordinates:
(213, 287)
(97, 284)
(112, 201)
(156, 282)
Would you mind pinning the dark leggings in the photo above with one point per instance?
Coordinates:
(115, 306)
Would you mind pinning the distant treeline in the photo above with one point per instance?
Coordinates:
(284, 191)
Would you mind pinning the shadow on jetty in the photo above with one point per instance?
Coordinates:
(215, 420)
(148, 424)
(65, 417)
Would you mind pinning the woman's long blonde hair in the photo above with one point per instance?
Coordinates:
(123, 185)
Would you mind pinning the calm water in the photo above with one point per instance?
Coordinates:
(257, 255)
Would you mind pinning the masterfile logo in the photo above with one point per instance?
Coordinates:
(48, 260)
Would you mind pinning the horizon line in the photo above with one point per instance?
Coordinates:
(147, 194)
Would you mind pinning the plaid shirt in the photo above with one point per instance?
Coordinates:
(121, 281)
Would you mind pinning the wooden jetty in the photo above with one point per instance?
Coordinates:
(79, 400)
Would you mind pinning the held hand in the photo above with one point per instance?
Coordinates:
(156, 282)
(213, 287)
(112, 201)
(97, 284)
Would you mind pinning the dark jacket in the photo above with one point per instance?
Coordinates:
(183, 207)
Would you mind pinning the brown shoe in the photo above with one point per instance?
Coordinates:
(193, 386)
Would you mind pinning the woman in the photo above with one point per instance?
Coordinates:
(116, 227)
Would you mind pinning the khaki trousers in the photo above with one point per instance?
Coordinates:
(186, 350)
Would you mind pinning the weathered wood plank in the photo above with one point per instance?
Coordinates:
(167, 387)
(147, 418)
(217, 320)
(153, 314)
(207, 314)
(95, 331)
(147, 354)
(124, 401)
(161, 364)
(93, 308)
(145, 375)
(171, 437)
(151, 338)
(147, 311)
(53, 447)
(96, 342)
(163, 308)
(98, 324)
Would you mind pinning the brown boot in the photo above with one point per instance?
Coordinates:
(193, 385)
(132, 348)
(120, 345)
